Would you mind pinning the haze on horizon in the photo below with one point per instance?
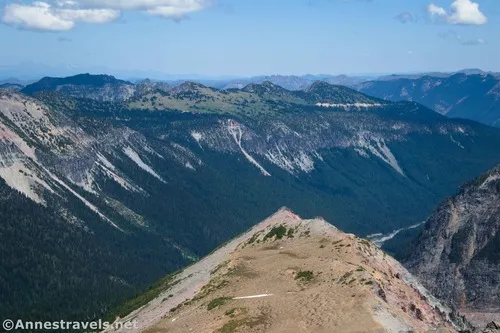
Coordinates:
(217, 38)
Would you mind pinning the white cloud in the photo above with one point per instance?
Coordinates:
(36, 16)
(61, 15)
(462, 12)
(175, 9)
(173, 12)
(144, 4)
(466, 12)
(88, 15)
(43, 16)
(436, 11)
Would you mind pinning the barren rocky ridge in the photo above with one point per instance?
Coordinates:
(288, 274)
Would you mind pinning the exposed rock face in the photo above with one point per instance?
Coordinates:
(493, 327)
(458, 255)
(292, 275)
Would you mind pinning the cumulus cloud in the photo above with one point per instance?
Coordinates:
(44, 16)
(61, 15)
(175, 9)
(436, 11)
(464, 12)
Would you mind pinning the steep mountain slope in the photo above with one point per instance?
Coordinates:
(291, 275)
(162, 185)
(99, 87)
(474, 96)
(458, 254)
(66, 251)
(298, 144)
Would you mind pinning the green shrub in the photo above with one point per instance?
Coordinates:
(215, 303)
(277, 232)
(304, 275)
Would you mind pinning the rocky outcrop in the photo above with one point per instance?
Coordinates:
(458, 254)
(493, 327)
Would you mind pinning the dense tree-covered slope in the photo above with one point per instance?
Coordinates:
(163, 177)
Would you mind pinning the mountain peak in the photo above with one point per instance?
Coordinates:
(266, 87)
(321, 85)
(100, 87)
(188, 87)
(326, 93)
(265, 279)
(79, 79)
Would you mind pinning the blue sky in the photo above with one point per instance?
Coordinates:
(252, 37)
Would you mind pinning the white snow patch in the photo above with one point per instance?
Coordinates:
(254, 296)
(235, 130)
(349, 105)
(137, 160)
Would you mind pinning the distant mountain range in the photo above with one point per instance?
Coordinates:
(109, 185)
(469, 94)
(290, 82)
(473, 96)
